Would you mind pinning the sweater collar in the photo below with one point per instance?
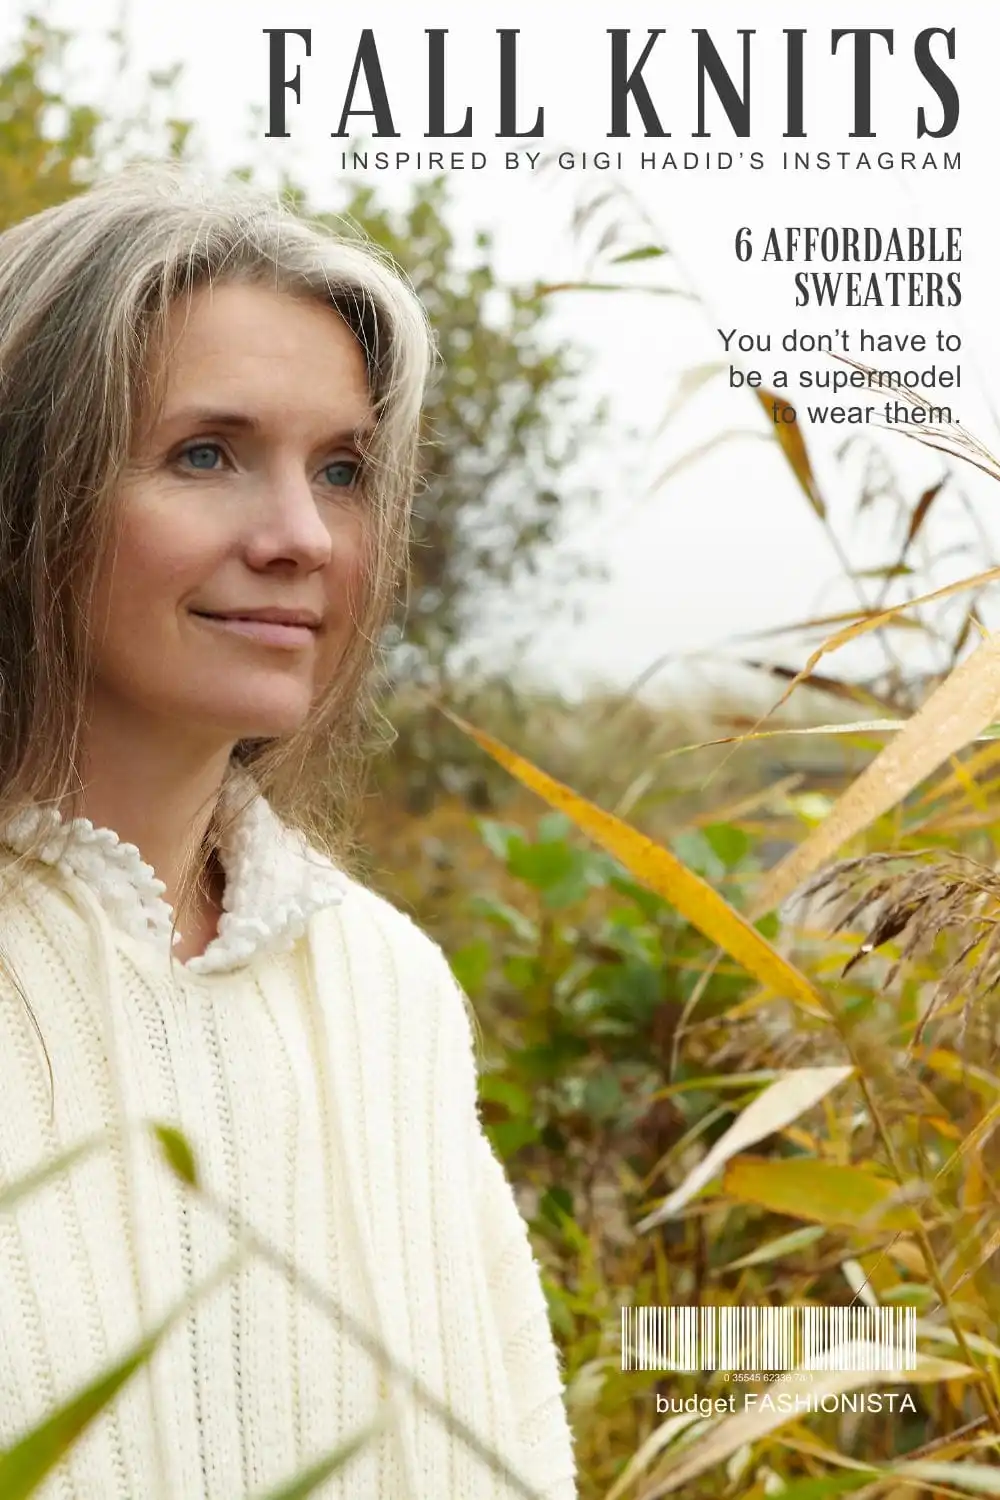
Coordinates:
(274, 879)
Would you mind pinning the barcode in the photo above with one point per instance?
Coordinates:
(769, 1338)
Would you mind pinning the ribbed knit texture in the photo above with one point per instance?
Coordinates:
(321, 1065)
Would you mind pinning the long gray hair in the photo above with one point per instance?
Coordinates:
(86, 291)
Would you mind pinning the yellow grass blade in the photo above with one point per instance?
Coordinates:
(656, 867)
(863, 625)
(955, 713)
(821, 1192)
(852, 726)
(976, 766)
(820, 622)
(793, 446)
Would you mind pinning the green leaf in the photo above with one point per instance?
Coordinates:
(309, 1480)
(503, 915)
(500, 838)
(909, 1294)
(695, 849)
(646, 252)
(547, 289)
(500, 1090)
(557, 870)
(25, 1186)
(556, 1205)
(632, 990)
(602, 1097)
(471, 964)
(508, 1136)
(26, 1464)
(178, 1152)
(553, 827)
(820, 1489)
(650, 903)
(730, 843)
(786, 1244)
(521, 970)
(769, 926)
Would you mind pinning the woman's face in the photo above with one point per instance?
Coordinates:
(246, 494)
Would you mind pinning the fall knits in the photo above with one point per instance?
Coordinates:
(319, 1059)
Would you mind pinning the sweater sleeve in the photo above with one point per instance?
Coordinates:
(530, 1355)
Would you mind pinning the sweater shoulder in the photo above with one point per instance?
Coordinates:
(407, 980)
(373, 930)
(365, 910)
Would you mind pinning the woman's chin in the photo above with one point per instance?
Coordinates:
(253, 721)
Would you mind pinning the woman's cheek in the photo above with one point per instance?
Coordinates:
(351, 586)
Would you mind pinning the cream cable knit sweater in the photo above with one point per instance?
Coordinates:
(319, 1058)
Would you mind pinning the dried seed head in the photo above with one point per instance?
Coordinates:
(918, 898)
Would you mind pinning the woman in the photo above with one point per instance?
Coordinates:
(208, 424)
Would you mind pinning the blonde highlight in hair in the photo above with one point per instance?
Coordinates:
(87, 289)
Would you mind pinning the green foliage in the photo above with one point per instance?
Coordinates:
(41, 162)
(584, 976)
(585, 1009)
(53, 146)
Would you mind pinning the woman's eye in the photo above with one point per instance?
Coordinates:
(202, 455)
(342, 473)
(208, 457)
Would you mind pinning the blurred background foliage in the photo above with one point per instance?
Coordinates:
(619, 1044)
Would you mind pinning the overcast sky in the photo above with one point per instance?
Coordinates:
(729, 545)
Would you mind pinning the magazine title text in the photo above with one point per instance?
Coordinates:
(634, 101)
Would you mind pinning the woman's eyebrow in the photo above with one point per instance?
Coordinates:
(235, 421)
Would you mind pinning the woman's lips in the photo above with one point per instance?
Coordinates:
(267, 632)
